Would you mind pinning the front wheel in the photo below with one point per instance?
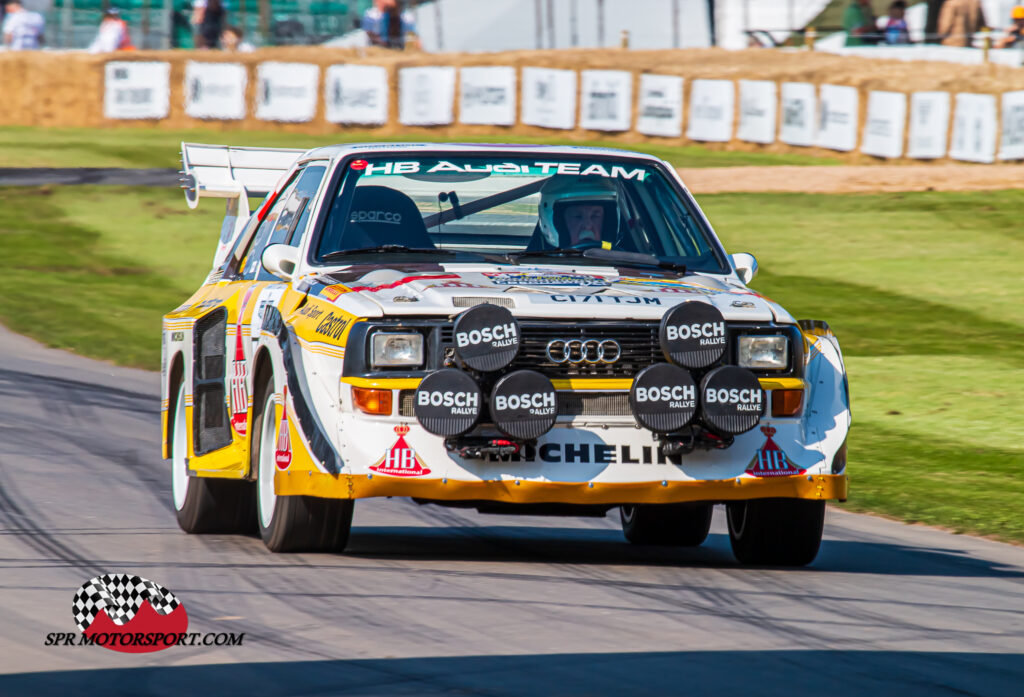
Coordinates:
(776, 532)
(204, 505)
(677, 524)
(292, 523)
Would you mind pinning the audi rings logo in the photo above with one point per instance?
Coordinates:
(580, 351)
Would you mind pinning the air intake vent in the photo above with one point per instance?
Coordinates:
(467, 301)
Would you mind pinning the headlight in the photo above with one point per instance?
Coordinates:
(771, 352)
(396, 349)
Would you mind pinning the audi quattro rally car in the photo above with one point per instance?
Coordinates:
(515, 329)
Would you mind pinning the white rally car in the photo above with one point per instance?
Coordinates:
(519, 329)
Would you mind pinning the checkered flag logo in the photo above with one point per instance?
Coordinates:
(121, 595)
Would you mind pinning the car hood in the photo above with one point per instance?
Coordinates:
(555, 291)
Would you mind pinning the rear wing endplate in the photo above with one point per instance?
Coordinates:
(223, 171)
(234, 174)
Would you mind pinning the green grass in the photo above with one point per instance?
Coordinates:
(92, 269)
(923, 290)
(148, 147)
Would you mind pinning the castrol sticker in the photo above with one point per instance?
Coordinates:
(732, 400)
(663, 397)
(692, 335)
(486, 337)
(448, 402)
(524, 404)
(400, 460)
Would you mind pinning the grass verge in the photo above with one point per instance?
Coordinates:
(24, 146)
(922, 289)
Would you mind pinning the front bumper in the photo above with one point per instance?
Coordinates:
(814, 487)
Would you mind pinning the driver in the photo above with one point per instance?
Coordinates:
(584, 222)
(573, 211)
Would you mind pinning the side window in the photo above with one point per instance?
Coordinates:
(295, 216)
(251, 266)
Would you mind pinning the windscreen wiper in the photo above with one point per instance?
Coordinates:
(388, 248)
(612, 256)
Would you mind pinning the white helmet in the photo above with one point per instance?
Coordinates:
(560, 191)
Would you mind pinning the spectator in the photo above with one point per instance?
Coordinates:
(208, 18)
(896, 31)
(112, 35)
(386, 24)
(22, 29)
(860, 24)
(959, 20)
(1015, 35)
(232, 41)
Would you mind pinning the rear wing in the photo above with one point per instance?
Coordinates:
(223, 171)
(235, 174)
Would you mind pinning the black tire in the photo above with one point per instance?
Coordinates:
(776, 532)
(293, 523)
(205, 505)
(676, 524)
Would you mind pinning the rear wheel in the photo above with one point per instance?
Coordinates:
(292, 523)
(202, 504)
(678, 524)
(777, 532)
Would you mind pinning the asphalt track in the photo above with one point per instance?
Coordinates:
(438, 601)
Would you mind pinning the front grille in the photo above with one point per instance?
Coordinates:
(469, 301)
(638, 342)
(569, 403)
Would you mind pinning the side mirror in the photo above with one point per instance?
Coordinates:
(280, 260)
(745, 265)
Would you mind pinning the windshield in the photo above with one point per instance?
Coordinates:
(515, 207)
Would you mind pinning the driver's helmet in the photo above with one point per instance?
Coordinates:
(560, 192)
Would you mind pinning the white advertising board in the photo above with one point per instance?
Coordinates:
(883, 130)
(660, 112)
(215, 90)
(798, 114)
(759, 102)
(426, 96)
(139, 90)
(929, 125)
(487, 95)
(356, 94)
(1011, 146)
(549, 98)
(974, 128)
(837, 117)
(712, 104)
(287, 91)
(606, 100)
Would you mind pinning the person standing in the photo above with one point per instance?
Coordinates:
(22, 29)
(208, 18)
(896, 30)
(959, 20)
(112, 35)
(860, 24)
(386, 24)
(1015, 34)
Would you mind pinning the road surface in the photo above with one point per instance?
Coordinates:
(430, 600)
